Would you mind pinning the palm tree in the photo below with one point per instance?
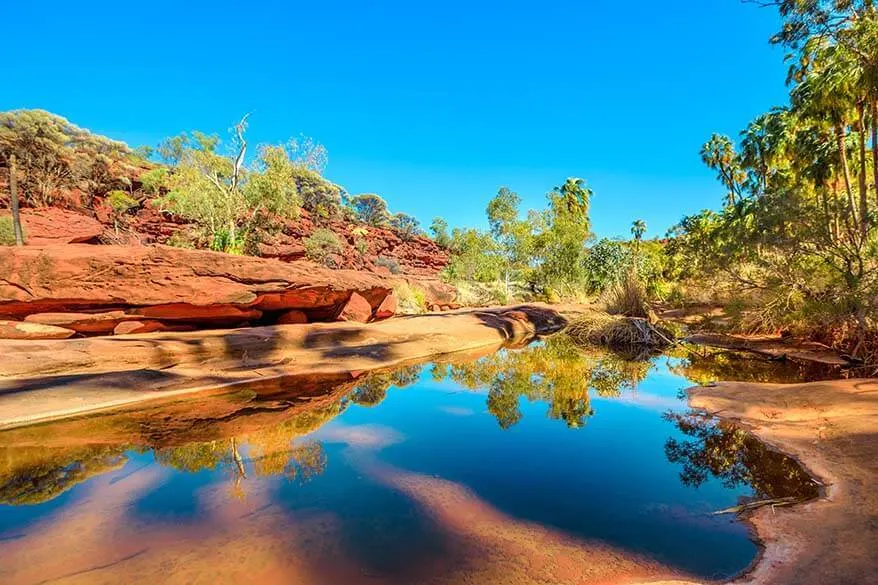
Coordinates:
(719, 154)
(575, 196)
(638, 228)
(828, 90)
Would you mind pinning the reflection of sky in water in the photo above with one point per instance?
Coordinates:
(609, 480)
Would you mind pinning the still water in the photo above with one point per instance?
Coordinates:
(546, 464)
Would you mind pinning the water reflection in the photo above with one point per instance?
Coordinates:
(557, 372)
(33, 475)
(257, 431)
(703, 365)
(376, 481)
(722, 450)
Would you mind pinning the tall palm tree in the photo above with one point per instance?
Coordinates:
(575, 196)
(719, 154)
(828, 90)
(638, 228)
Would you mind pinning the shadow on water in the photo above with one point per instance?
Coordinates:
(273, 431)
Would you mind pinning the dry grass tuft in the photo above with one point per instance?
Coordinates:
(627, 297)
(618, 332)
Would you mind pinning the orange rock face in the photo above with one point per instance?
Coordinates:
(387, 308)
(106, 285)
(356, 309)
(94, 323)
(53, 225)
(292, 317)
(21, 330)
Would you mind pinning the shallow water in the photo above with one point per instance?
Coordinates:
(549, 462)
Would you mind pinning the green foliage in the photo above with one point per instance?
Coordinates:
(361, 246)
(121, 202)
(797, 235)
(557, 372)
(154, 181)
(411, 300)
(322, 245)
(317, 195)
(7, 231)
(233, 203)
(407, 226)
(54, 155)
(472, 256)
(371, 209)
(439, 229)
(627, 296)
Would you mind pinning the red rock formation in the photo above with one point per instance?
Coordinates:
(107, 285)
(53, 225)
(387, 308)
(292, 317)
(356, 309)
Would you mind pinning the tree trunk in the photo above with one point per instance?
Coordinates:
(845, 168)
(874, 116)
(861, 142)
(13, 202)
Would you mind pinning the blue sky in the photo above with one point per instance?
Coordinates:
(432, 105)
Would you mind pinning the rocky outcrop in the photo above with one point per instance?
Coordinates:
(94, 289)
(53, 225)
(375, 249)
(356, 309)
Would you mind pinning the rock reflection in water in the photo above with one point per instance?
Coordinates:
(424, 485)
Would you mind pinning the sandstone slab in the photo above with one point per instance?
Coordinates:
(52, 225)
(387, 308)
(23, 330)
(356, 309)
(164, 283)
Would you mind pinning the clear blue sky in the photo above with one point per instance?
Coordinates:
(432, 105)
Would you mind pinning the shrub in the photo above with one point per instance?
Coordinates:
(361, 245)
(322, 245)
(616, 332)
(7, 231)
(407, 226)
(154, 181)
(410, 300)
(627, 297)
(390, 263)
(371, 209)
(120, 201)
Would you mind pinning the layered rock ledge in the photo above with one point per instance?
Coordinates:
(91, 290)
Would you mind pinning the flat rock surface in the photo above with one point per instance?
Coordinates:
(772, 346)
(832, 428)
(54, 379)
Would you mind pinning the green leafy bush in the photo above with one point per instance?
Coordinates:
(7, 231)
(322, 245)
